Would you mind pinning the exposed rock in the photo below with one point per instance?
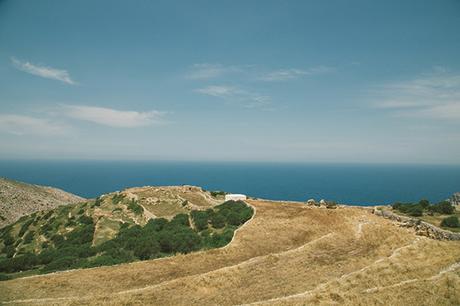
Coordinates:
(19, 199)
(421, 228)
(455, 199)
(311, 202)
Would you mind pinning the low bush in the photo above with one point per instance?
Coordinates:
(29, 237)
(61, 263)
(200, 219)
(85, 220)
(135, 207)
(216, 193)
(451, 221)
(411, 209)
(25, 227)
(117, 198)
(444, 207)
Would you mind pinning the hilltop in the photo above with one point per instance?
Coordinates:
(287, 254)
(18, 199)
(119, 227)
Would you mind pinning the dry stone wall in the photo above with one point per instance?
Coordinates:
(421, 228)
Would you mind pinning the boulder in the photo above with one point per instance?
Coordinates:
(311, 202)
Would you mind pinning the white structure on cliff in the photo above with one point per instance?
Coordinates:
(235, 197)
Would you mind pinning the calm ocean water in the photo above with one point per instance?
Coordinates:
(350, 184)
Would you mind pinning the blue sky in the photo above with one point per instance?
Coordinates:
(300, 81)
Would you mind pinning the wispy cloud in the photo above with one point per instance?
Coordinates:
(432, 95)
(26, 125)
(237, 95)
(251, 72)
(112, 117)
(218, 91)
(209, 71)
(43, 71)
(293, 73)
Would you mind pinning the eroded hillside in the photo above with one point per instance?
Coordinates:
(288, 254)
(19, 199)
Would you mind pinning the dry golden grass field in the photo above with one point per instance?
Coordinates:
(288, 254)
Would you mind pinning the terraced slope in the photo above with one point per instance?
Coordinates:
(19, 199)
(288, 254)
(75, 236)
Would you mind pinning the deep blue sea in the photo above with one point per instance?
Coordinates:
(356, 184)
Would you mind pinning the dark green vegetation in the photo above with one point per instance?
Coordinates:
(451, 221)
(65, 238)
(441, 214)
(418, 209)
(217, 193)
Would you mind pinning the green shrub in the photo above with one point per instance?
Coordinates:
(4, 277)
(411, 209)
(62, 263)
(135, 207)
(117, 198)
(147, 248)
(8, 240)
(444, 207)
(216, 193)
(29, 237)
(18, 263)
(85, 220)
(218, 220)
(415, 211)
(200, 219)
(25, 227)
(81, 235)
(9, 250)
(424, 203)
(47, 215)
(180, 219)
(451, 221)
(57, 239)
(98, 202)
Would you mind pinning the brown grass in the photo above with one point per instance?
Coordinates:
(288, 254)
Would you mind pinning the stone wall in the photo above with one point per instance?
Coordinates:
(421, 228)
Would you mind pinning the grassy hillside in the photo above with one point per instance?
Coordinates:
(288, 254)
(117, 228)
(19, 199)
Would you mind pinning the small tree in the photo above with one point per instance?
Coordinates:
(147, 248)
(217, 220)
(444, 207)
(416, 211)
(424, 203)
(451, 221)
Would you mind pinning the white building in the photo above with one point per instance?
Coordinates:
(235, 197)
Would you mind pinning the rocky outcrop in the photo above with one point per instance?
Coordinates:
(455, 199)
(421, 228)
(19, 199)
(311, 202)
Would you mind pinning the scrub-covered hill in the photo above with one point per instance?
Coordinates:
(287, 254)
(19, 199)
(135, 224)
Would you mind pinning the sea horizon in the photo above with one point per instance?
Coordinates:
(346, 183)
